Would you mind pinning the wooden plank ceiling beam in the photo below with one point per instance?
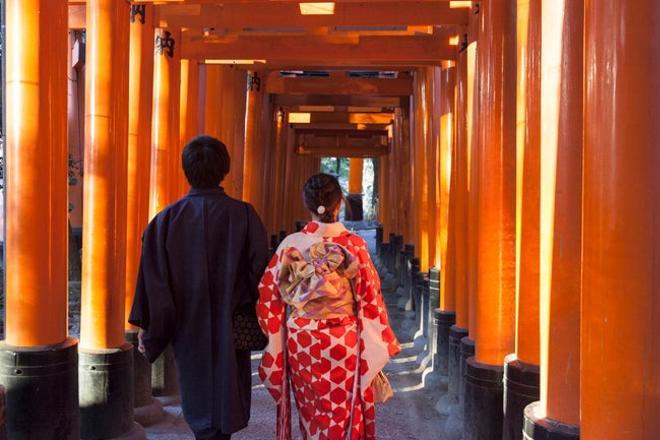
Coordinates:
(350, 118)
(342, 85)
(458, 4)
(286, 14)
(329, 127)
(344, 100)
(311, 49)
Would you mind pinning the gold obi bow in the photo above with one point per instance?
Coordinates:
(321, 286)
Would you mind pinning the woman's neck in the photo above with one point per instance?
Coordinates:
(316, 218)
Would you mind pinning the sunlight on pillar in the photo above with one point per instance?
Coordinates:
(553, 17)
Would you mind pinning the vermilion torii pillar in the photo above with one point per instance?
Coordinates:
(224, 118)
(165, 154)
(355, 208)
(495, 308)
(521, 383)
(620, 325)
(38, 361)
(472, 122)
(557, 413)
(460, 218)
(106, 360)
(255, 142)
(188, 120)
(141, 62)
(165, 120)
(444, 208)
(420, 140)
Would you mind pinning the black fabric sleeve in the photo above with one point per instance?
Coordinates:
(257, 251)
(153, 306)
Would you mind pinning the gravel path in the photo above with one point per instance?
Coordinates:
(409, 415)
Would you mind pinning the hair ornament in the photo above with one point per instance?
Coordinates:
(320, 209)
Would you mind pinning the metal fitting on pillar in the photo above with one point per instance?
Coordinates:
(467, 351)
(454, 359)
(391, 253)
(425, 315)
(443, 322)
(379, 239)
(41, 386)
(106, 394)
(382, 266)
(483, 401)
(521, 387)
(147, 410)
(356, 210)
(537, 428)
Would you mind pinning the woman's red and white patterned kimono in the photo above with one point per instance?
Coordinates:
(337, 327)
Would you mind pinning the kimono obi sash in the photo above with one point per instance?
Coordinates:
(320, 286)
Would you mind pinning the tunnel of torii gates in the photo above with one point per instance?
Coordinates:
(519, 159)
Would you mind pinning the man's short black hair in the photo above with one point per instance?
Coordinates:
(205, 161)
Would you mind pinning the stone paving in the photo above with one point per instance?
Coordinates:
(409, 415)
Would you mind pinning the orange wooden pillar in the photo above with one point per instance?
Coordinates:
(165, 155)
(432, 122)
(147, 409)
(42, 402)
(620, 324)
(472, 233)
(165, 151)
(188, 119)
(495, 308)
(443, 213)
(384, 197)
(460, 219)
(444, 172)
(557, 414)
(224, 118)
(104, 355)
(420, 195)
(521, 383)
(355, 206)
(255, 143)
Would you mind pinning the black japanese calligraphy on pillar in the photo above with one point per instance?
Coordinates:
(464, 43)
(138, 13)
(254, 82)
(165, 44)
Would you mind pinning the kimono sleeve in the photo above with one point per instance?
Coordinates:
(271, 312)
(153, 306)
(378, 338)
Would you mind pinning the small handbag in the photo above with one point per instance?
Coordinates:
(247, 333)
(381, 388)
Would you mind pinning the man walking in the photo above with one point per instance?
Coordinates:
(202, 258)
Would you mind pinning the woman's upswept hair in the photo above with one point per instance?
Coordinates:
(323, 190)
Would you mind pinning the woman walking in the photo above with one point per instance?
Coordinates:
(337, 327)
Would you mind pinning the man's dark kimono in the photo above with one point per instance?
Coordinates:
(202, 258)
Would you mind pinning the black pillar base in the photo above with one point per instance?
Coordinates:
(106, 393)
(443, 321)
(41, 386)
(164, 382)
(521, 387)
(454, 361)
(147, 410)
(355, 211)
(483, 401)
(467, 351)
(536, 428)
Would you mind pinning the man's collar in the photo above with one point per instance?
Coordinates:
(206, 191)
